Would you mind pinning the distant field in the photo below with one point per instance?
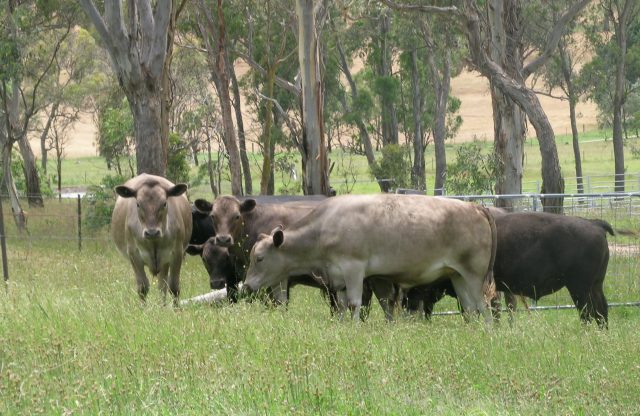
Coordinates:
(351, 173)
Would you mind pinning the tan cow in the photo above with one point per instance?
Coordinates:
(151, 226)
(409, 239)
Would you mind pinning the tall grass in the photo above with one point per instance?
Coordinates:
(75, 339)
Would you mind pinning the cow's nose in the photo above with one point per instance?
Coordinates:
(223, 240)
(246, 290)
(216, 283)
(152, 233)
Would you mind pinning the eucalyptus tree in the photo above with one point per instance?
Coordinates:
(614, 71)
(562, 72)
(139, 39)
(32, 34)
(212, 28)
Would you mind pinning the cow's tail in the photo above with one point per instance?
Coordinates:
(489, 284)
(607, 228)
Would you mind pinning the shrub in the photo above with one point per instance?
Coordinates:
(100, 200)
(393, 165)
(473, 173)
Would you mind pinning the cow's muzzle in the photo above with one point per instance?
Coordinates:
(224, 240)
(152, 233)
(217, 283)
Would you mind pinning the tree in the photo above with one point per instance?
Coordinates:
(32, 34)
(316, 167)
(608, 75)
(139, 44)
(213, 32)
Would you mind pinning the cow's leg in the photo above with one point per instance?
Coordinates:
(142, 282)
(471, 296)
(386, 293)
(173, 276)
(352, 274)
(600, 306)
(367, 294)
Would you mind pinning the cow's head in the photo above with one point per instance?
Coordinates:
(151, 201)
(267, 267)
(216, 260)
(227, 215)
(202, 224)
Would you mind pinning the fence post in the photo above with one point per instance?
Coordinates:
(79, 224)
(3, 243)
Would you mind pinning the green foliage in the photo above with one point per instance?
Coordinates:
(284, 164)
(115, 133)
(177, 165)
(100, 200)
(393, 165)
(473, 173)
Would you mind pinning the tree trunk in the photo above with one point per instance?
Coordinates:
(267, 154)
(620, 23)
(389, 116)
(418, 178)
(508, 119)
(566, 74)
(138, 44)
(32, 178)
(45, 134)
(16, 209)
(146, 107)
(316, 168)
(237, 105)
(553, 183)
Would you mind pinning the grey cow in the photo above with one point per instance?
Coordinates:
(409, 239)
(151, 226)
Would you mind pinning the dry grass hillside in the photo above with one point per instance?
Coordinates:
(469, 87)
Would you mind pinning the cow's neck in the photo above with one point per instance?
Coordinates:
(302, 244)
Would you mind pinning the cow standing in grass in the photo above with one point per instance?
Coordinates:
(540, 253)
(151, 226)
(408, 239)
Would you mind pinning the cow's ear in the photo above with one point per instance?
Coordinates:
(125, 191)
(203, 205)
(247, 205)
(278, 238)
(177, 190)
(194, 250)
(262, 236)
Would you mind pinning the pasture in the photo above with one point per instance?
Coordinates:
(74, 338)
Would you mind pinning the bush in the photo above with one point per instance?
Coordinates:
(177, 165)
(100, 200)
(473, 173)
(393, 165)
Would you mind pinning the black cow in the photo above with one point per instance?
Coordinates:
(540, 253)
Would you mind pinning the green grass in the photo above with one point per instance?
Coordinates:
(75, 339)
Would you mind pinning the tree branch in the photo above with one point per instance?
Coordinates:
(554, 37)
(420, 8)
(282, 83)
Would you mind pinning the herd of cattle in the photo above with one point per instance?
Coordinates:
(403, 248)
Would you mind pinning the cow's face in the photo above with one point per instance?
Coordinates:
(216, 260)
(151, 206)
(267, 263)
(227, 215)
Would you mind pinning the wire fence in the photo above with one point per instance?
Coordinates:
(64, 222)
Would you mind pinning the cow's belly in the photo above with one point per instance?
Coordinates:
(408, 274)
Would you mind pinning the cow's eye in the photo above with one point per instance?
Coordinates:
(164, 205)
(237, 217)
(259, 259)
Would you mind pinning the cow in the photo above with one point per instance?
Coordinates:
(259, 215)
(408, 239)
(539, 254)
(151, 226)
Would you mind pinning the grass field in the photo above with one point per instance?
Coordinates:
(74, 339)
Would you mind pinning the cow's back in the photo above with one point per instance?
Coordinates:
(538, 252)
